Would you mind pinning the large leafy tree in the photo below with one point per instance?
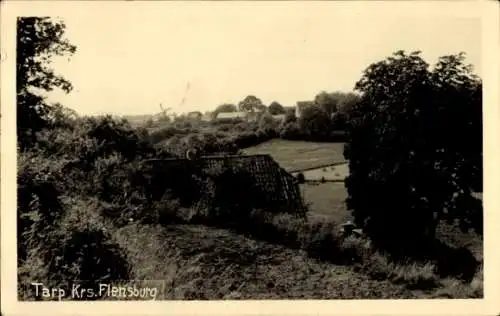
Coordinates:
(314, 122)
(414, 149)
(347, 101)
(337, 101)
(251, 103)
(275, 108)
(460, 98)
(224, 108)
(38, 40)
(327, 101)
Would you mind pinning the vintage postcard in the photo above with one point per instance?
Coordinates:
(250, 157)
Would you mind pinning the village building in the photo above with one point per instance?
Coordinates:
(250, 116)
(229, 116)
(279, 117)
(195, 115)
(254, 115)
(207, 117)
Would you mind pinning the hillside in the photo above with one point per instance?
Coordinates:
(200, 263)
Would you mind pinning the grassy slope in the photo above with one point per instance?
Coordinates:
(204, 263)
(297, 155)
(198, 262)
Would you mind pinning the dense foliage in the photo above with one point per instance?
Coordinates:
(226, 107)
(415, 149)
(38, 39)
(275, 108)
(251, 103)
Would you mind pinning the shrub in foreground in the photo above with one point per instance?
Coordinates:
(87, 257)
(39, 206)
(76, 250)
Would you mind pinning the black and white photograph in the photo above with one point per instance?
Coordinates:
(246, 151)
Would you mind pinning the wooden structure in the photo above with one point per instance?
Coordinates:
(281, 190)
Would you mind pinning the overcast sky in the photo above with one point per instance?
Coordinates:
(131, 55)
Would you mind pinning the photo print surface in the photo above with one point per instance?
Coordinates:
(236, 152)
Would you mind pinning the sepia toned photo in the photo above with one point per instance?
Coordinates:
(247, 151)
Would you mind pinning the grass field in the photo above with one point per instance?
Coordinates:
(326, 200)
(300, 155)
(328, 173)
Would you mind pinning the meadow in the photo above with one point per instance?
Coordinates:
(300, 155)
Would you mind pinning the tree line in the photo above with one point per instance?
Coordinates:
(322, 119)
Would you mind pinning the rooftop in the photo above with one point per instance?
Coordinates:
(231, 115)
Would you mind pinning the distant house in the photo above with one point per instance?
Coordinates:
(206, 117)
(163, 117)
(195, 115)
(254, 115)
(279, 117)
(231, 116)
(249, 116)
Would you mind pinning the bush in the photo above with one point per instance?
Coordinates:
(167, 133)
(314, 122)
(290, 131)
(87, 258)
(339, 121)
(39, 207)
(117, 136)
(404, 177)
(74, 249)
(235, 194)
